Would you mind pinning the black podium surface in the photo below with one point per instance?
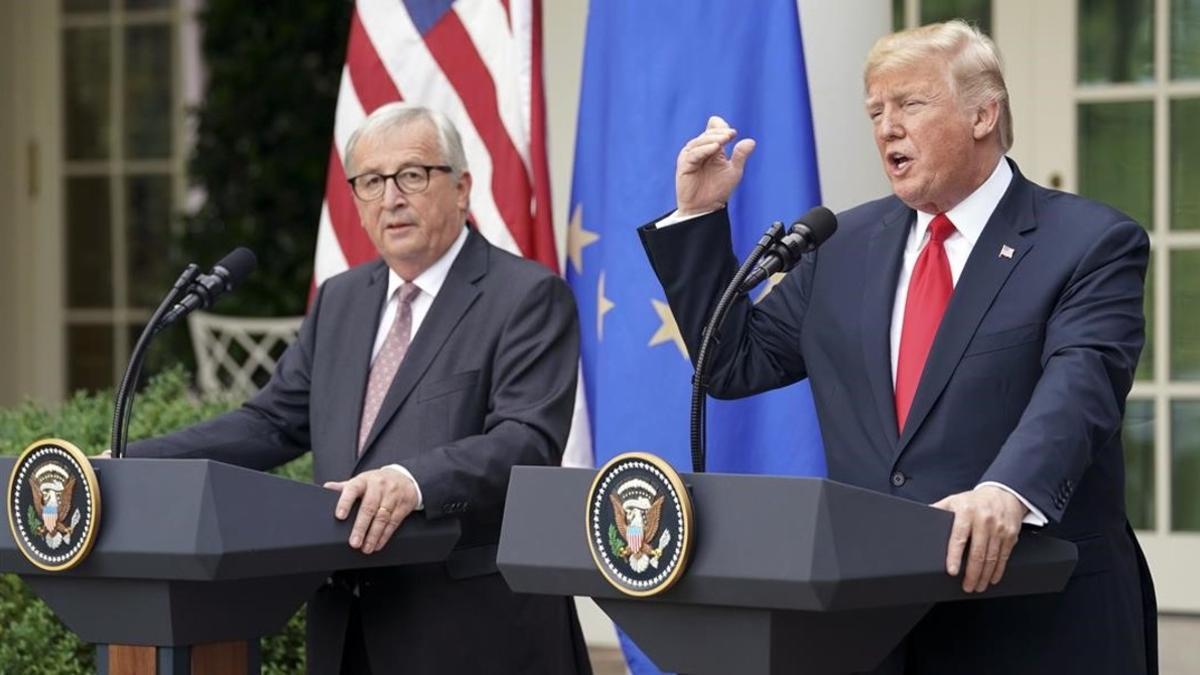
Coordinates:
(196, 551)
(797, 575)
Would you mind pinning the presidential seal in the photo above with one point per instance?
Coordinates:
(639, 524)
(53, 505)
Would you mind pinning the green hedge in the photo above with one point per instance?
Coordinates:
(32, 640)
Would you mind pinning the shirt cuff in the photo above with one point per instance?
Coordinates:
(676, 217)
(1035, 517)
(420, 499)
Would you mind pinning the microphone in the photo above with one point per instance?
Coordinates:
(808, 232)
(226, 275)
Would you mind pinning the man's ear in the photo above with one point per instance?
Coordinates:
(463, 200)
(986, 120)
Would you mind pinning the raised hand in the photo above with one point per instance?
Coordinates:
(704, 175)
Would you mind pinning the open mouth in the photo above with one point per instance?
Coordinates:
(898, 161)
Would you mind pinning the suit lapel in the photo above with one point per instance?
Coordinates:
(456, 296)
(982, 278)
(361, 325)
(885, 252)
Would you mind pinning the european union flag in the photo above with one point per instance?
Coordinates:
(653, 72)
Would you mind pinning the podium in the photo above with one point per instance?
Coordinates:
(788, 575)
(196, 559)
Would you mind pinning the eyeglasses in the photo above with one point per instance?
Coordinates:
(410, 180)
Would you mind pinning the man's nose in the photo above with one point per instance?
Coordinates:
(393, 196)
(890, 127)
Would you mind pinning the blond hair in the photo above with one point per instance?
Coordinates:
(977, 72)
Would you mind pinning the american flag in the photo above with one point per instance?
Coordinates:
(480, 63)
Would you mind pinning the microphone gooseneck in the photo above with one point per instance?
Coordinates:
(808, 232)
(191, 291)
(773, 253)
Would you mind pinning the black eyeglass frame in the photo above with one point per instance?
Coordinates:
(395, 178)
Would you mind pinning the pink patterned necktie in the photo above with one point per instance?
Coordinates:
(387, 362)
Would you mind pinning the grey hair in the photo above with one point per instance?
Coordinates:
(975, 64)
(400, 114)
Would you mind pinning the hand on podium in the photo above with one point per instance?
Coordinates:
(989, 518)
(387, 496)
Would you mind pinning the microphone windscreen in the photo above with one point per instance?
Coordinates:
(821, 222)
(239, 263)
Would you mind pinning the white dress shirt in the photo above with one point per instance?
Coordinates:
(430, 282)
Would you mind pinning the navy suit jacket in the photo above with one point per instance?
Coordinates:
(488, 382)
(1025, 383)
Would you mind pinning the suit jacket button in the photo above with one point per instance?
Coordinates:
(899, 479)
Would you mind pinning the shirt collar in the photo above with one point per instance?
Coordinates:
(430, 281)
(971, 214)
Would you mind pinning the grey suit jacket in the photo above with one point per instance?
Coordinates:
(488, 383)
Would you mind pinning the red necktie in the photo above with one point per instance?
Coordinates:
(929, 291)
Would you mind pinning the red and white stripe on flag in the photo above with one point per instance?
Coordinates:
(480, 63)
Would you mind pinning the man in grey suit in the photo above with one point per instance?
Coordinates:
(418, 381)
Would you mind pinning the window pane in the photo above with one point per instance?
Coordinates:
(148, 59)
(1185, 466)
(88, 243)
(85, 80)
(1116, 41)
(1138, 438)
(977, 12)
(1185, 39)
(897, 15)
(1185, 320)
(89, 357)
(84, 5)
(1185, 164)
(148, 205)
(1185, 317)
(1145, 366)
(1116, 156)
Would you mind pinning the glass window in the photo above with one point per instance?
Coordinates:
(1185, 466)
(1116, 41)
(1138, 438)
(1145, 366)
(977, 12)
(90, 357)
(1116, 156)
(148, 208)
(87, 113)
(1185, 39)
(1185, 163)
(89, 242)
(70, 6)
(148, 92)
(1185, 320)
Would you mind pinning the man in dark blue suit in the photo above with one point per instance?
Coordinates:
(970, 342)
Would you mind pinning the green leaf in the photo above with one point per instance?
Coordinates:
(31, 519)
(614, 540)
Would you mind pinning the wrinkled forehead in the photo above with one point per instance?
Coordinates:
(900, 81)
(415, 141)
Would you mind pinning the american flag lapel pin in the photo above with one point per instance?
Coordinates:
(1006, 251)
